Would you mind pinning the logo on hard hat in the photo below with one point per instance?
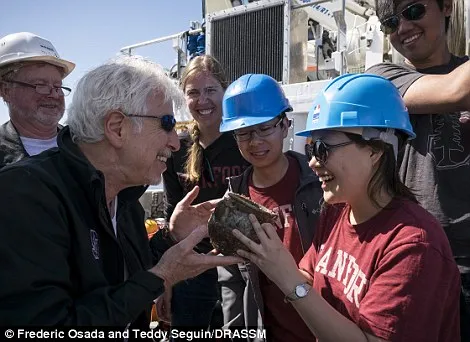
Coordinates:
(47, 47)
(48, 51)
(316, 113)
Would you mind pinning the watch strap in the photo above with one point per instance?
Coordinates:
(293, 295)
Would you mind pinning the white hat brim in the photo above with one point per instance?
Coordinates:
(62, 63)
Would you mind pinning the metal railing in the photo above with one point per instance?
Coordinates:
(128, 49)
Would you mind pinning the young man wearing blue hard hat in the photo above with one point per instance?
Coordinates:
(380, 267)
(254, 109)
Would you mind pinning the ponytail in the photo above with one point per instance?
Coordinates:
(193, 165)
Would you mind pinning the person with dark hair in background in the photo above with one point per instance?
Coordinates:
(206, 158)
(436, 88)
(31, 74)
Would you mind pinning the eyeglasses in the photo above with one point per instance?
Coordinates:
(413, 12)
(320, 150)
(261, 131)
(167, 121)
(45, 89)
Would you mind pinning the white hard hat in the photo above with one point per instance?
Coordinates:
(26, 47)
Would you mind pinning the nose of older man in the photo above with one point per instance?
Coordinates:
(54, 94)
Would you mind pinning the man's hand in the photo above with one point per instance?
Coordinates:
(186, 217)
(181, 262)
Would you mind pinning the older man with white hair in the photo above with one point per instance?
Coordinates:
(31, 74)
(73, 246)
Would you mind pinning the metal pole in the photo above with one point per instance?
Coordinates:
(311, 3)
(339, 15)
(158, 40)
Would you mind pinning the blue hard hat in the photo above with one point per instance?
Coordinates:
(359, 100)
(250, 100)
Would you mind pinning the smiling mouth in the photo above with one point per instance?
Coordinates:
(162, 159)
(411, 39)
(205, 111)
(259, 154)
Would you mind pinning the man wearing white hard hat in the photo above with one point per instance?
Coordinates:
(31, 74)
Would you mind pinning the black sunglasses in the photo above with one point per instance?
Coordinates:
(413, 12)
(320, 149)
(167, 121)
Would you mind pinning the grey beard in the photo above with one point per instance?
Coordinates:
(38, 116)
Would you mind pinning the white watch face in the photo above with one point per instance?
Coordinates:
(301, 291)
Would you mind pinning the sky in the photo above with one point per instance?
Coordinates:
(89, 32)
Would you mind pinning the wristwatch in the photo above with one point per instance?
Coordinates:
(300, 291)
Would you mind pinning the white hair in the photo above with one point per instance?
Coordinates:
(124, 84)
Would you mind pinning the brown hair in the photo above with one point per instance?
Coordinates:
(200, 64)
(386, 175)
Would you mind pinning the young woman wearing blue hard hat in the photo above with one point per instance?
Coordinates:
(380, 267)
(254, 108)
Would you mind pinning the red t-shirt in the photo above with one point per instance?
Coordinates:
(394, 275)
(281, 319)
